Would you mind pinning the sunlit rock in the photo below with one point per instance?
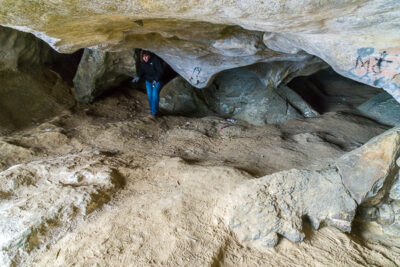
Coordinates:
(276, 204)
(369, 170)
(41, 199)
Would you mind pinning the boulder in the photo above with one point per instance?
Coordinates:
(276, 204)
(368, 171)
(390, 219)
(261, 209)
(388, 211)
(99, 70)
(383, 108)
(179, 97)
(41, 199)
(394, 192)
(239, 93)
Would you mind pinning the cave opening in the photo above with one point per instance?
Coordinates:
(328, 91)
(76, 137)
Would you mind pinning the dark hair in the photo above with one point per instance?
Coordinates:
(144, 53)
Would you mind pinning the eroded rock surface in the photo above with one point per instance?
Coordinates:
(368, 169)
(19, 48)
(276, 205)
(359, 39)
(41, 199)
(29, 91)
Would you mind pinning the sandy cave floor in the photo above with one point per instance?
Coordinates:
(176, 172)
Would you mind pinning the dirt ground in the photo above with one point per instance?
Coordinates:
(177, 171)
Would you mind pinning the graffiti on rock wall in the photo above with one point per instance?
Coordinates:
(379, 68)
(195, 78)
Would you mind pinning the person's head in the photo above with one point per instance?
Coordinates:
(145, 56)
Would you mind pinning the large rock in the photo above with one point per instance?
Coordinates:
(359, 39)
(179, 97)
(41, 199)
(99, 70)
(263, 208)
(276, 204)
(368, 172)
(243, 93)
(383, 108)
(239, 93)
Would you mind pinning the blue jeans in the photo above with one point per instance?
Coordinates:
(153, 96)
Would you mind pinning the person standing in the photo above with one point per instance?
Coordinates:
(151, 69)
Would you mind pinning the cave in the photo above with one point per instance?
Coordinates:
(277, 140)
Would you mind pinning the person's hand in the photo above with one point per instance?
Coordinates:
(136, 79)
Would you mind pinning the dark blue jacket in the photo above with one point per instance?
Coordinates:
(151, 70)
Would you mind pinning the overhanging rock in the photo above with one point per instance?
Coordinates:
(359, 39)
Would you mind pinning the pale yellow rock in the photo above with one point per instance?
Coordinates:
(366, 170)
(358, 38)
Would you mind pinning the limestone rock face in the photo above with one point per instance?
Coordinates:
(100, 70)
(29, 91)
(383, 108)
(359, 38)
(41, 199)
(18, 49)
(369, 170)
(273, 74)
(276, 204)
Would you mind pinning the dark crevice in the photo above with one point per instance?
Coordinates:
(328, 91)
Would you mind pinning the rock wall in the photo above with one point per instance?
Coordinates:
(358, 38)
(29, 91)
(18, 49)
